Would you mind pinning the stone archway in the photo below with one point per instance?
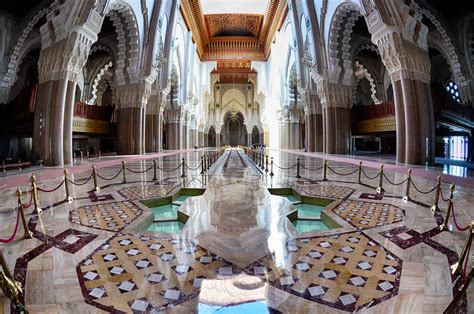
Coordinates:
(234, 131)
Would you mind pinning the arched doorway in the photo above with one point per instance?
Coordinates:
(255, 136)
(234, 132)
(211, 137)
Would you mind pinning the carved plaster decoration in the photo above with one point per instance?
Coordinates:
(19, 46)
(126, 28)
(97, 79)
(404, 60)
(145, 19)
(361, 72)
(133, 95)
(334, 95)
(339, 42)
(65, 59)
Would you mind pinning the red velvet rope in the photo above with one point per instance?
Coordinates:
(49, 191)
(29, 202)
(10, 239)
(455, 222)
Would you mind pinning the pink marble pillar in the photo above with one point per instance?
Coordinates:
(400, 120)
(412, 136)
(318, 132)
(150, 133)
(42, 124)
(57, 122)
(68, 119)
(310, 132)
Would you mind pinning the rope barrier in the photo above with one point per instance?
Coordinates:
(170, 170)
(393, 183)
(110, 179)
(285, 168)
(140, 172)
(422, 192)
(10, 239)
(455, 222)
(29, 202)
(314, 169)
(342, 174)
(52, 190)
(193, 168)
(82, 183)
(370, 178)
(442, 197)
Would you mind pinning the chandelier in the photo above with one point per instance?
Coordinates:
(160, 59)
(234, 114)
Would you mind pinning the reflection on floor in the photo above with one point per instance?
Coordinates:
(237, 251)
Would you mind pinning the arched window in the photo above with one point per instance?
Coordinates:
(453, 89)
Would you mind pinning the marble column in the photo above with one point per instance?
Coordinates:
(57, 122)
(151, 133)
(343, 130)
(68, 119)
(42, 125)
(400, 120)
(318, 132)
(125, 131)
(310, 132)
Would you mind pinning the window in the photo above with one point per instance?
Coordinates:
(453, 89)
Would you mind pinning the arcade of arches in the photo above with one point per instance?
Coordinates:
(210, 91)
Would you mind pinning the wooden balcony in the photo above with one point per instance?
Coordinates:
(92, 119)
(373, 119)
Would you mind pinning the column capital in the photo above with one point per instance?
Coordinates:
(133, 95)
(403, 59)
(66, 58)
(333, 94)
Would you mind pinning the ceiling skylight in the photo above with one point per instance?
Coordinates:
(235, 6)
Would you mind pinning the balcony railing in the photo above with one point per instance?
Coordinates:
(101, 113)
(383, 110)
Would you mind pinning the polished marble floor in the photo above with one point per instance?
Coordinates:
(237, 251)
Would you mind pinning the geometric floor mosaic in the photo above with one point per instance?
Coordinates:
(108, 216)
(328, 191)
(139, 192)
(347, 271)
(132, 273)
(362, 214)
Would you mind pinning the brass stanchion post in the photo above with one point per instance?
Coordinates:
(208, 162)
(445, 225)
(266, 164)
(457, 268)
(359, 178)
(66, 187)
(94, 177)
(202, 165)
(406, 198)
(4, 166)
(19, 164)
(124, 175)
(34, 190)
(298, 168)
(435, 207)
(183, 168)
(380, 188)
(11, 288)
(154, 170)
(325, 170)
(21, 208)
(271, 168)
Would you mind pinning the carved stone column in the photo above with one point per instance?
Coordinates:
(409, 67)
(174, 128)
(132, 100)
(335, 99)
(59, 65)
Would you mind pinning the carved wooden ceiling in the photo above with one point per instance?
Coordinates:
(234, 71)
(234, 24)
(234, 36)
